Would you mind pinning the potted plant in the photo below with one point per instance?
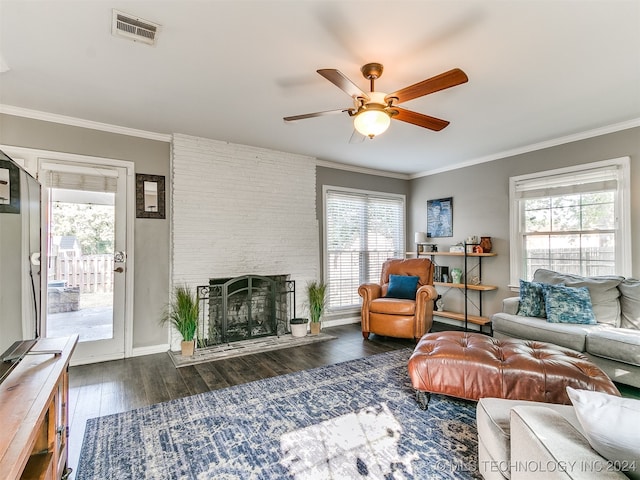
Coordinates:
(299, 327)
(316, 293)
(182, 313)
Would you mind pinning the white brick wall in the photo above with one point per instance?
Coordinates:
(241, 210)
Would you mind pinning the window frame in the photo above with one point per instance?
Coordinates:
(622, 205)
(359, 192)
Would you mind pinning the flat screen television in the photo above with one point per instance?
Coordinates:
(20, 241)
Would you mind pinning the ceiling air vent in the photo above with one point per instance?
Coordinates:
(133, 28)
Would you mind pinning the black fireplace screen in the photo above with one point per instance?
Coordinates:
(246, 307)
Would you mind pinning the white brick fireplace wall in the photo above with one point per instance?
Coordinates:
(241, 210)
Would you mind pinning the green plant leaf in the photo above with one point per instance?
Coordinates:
(317, 296)
(183, 312)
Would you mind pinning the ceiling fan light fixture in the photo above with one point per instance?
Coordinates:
(374, 110)
(372, 120)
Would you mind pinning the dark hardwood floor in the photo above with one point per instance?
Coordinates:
(117, 386)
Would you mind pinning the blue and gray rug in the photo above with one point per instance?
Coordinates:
(354, 420)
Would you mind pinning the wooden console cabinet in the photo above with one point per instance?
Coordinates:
(34, 413)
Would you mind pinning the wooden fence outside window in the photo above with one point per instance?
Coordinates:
(91, 273)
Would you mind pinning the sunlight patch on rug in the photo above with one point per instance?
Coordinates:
(360, 444)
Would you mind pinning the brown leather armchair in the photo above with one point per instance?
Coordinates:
(395, 317)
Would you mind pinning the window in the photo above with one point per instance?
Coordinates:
(362, 230)
(572, 220)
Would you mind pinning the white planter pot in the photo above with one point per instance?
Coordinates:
(298, 329)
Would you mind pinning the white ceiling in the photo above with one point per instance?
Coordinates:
(230, 70)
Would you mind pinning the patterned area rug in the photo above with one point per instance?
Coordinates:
(357, 419)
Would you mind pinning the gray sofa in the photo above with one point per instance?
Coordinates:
(613, 343)
(531, 440)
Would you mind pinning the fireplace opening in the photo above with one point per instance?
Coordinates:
(245, 307)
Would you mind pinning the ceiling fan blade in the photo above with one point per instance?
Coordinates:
(343, 83)
(315, 114)
(434, 84)
(432, 123)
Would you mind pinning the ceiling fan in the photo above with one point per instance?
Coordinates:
(373, 111)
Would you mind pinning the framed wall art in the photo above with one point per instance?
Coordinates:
(150, 196)
(9, 187)
(440, 217)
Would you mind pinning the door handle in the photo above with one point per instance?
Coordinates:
(119, 270)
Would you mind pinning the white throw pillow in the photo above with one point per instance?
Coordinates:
(612, 426)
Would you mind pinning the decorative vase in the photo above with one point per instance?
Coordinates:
(315, 328)
(187, 347)
(456, 275)
(485, 243)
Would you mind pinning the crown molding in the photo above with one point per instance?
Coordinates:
(365, 170)
(106, 127)
(162, 137)
(79, 122)
(596, 132)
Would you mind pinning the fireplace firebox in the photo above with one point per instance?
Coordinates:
(245, 307)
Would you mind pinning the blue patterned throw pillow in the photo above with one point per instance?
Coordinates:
(531, 300)
(568, 304)
(402, 286)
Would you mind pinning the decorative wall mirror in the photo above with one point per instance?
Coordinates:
(150, 196)
(9, 187)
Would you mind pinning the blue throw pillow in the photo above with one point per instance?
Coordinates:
(531, 300)
(568, 304)
(402, 286)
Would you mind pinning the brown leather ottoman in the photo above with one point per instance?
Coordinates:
(473, 365)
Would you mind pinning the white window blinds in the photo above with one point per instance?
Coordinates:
(362, 230)
(91, 179)
(590, 180)
(571, 220)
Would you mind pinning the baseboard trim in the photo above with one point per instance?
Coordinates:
(150, 350)
(340, 321)
(95, 359)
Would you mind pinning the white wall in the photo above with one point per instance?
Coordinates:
(241, 210)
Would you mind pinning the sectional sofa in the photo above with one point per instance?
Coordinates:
(594, 438)
(611, 341)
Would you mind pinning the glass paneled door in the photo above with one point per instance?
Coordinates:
(86, 237)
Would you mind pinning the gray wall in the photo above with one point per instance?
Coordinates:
(151, 282)
(343, 178)
(481, 199)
